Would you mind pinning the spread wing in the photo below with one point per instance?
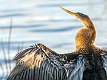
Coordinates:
(88, 66)
(38, 63)
(41, 63)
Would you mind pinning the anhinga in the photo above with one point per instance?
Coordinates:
(87, 62)
(85, 38)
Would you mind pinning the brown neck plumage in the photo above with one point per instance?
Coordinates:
(85, 37)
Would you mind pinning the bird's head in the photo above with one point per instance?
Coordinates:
(84, 19)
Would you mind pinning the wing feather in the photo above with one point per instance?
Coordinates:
(76, 69)
(38, 63)
(104, 57)
(41, 63)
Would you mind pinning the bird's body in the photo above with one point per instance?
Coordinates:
(87, 62)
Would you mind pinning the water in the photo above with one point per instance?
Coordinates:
(43, 21)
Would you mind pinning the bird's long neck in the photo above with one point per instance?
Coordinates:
(89, 25)
(85, 38)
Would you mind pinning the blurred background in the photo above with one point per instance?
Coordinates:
(24, 23)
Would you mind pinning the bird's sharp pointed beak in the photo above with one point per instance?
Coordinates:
(70, 12)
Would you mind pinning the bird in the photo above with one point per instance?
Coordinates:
(86, 62)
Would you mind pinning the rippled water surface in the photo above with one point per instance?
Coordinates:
(42, 21)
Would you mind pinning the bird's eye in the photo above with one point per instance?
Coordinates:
(82, 15)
